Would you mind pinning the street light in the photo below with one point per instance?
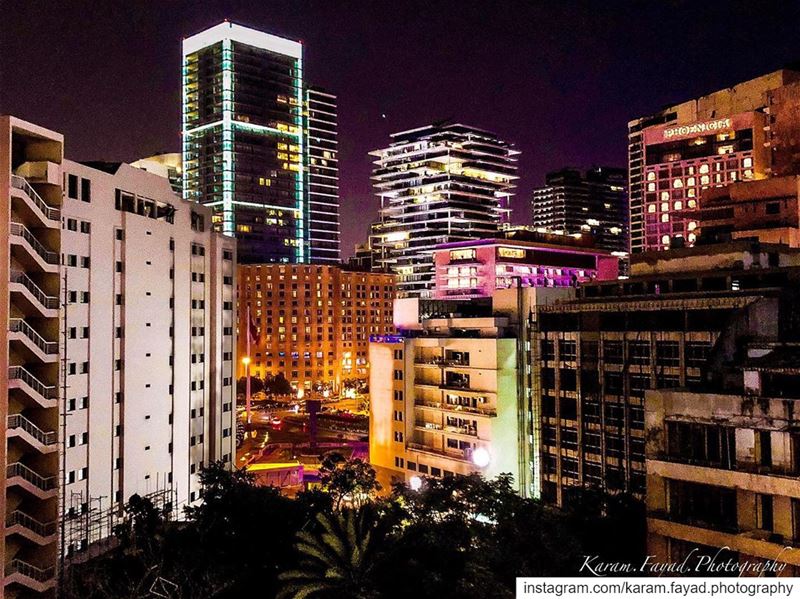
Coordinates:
(415, 482)
(481, 457)
(246, 362)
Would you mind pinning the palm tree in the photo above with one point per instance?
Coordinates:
(337, 561)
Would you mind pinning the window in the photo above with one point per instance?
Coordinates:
(72, 186)
(765, 513)
(86, 190)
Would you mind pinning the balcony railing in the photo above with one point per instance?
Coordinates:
(457, 408)
(43, 529)
(44, 437)
(49, 302)
(31, 571)
(46, 391)
(455, 454)
(43, 483)
(22, 183)
(17, 325)
(22, 231)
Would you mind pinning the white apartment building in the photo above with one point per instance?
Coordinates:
(149, 342)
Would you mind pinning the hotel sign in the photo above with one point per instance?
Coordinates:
(698, 128)
(666, 133)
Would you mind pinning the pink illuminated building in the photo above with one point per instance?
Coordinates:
(681, 162)
(473, 269)
(750, 131)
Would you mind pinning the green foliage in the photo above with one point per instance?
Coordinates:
(456, 537)
(348, 481)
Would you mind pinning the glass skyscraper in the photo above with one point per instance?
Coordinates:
(243, 139)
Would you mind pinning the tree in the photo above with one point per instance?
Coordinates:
(353, 481)
(256, 385)
(338, 559)
(278, 385)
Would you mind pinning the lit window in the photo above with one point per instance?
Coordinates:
(691, 203)
(677, 184)
(651, 176)
(704, 180)
(747, 162)
(690, 182)
(703, 168)
(678, 205)
(665, 196)
(665, 239)
(692, 225)
(692, 237)
(651, 208)
(651, 187)
(664, 207)
(665, 218)
(748, 174)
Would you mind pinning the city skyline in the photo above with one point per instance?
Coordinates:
(520, 54)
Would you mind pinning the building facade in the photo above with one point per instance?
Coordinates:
(722, 467)
(742, 133)
(472, 269)
(450, 392)
(767, 210)
(243, 139)
(30, 184)
(677, 318)
(322, 147)
(168, 164)
(438, 184)
(593, 201)
(148, 348)
(312, 322)
(445, 403)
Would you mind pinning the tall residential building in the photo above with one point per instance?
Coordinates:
(322, 147)
(438, 184)
(593, 201)
(312, 322)
(745, 132)
(450, 391)
(723, 464)
(243, 139)
(676, 321)
(30, 185)
(149, 334)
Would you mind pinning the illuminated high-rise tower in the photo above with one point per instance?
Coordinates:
(438, 184)
(243, 139)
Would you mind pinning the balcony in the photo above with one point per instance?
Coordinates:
(43, 487)
(19, 426)
(29, 250)
(33, 344)
(30, 298)
(461, 455)
(34, 205)
(45, 396)
(756, 482)
(458, 409)
(33, 577)
(746, 542)
(41, 533)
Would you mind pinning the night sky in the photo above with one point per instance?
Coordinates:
(560, 79)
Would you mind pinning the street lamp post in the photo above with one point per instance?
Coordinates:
(246, 362)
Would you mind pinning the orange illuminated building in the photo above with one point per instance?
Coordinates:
(311, 322)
